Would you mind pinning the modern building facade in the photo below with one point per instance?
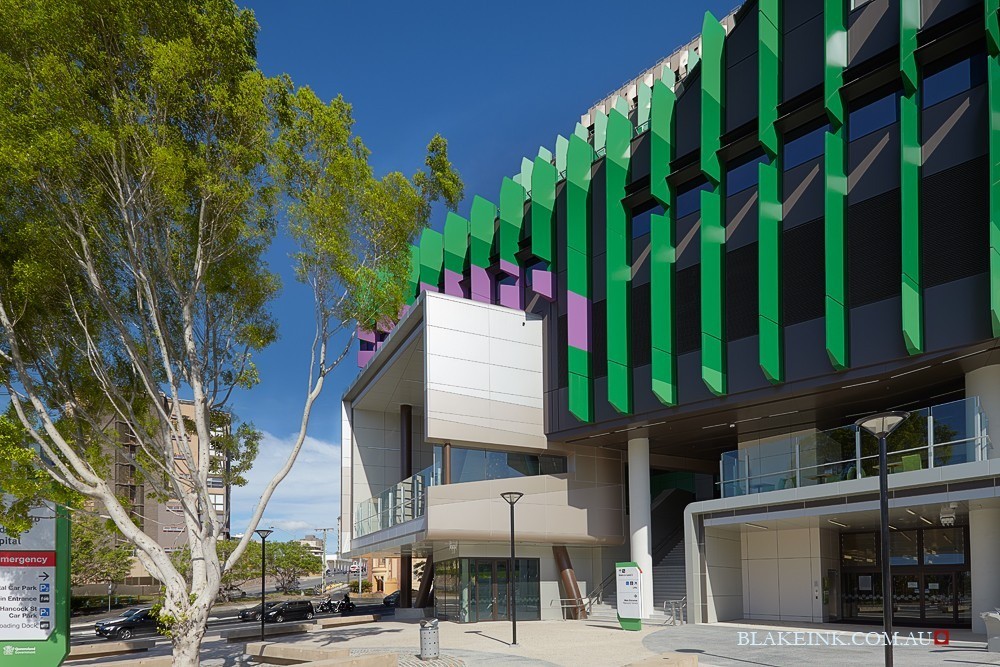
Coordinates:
(664, 328)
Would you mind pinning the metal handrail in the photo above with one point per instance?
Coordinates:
(597, 595)
(677, 607)
(572, 603)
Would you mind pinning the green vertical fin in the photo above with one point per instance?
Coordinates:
(835, 246)
(511, 219)
(769, 231)
(543, 207)
(713, 207)
(562, 145)
(910, 164)
(769, 195)
(993, 82)
(662, 241)
(431, 258)
(643, 100)
(600, 130)
(835, 58)
(579, 291)
(619, 266)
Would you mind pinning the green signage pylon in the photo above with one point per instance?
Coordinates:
(48, 597)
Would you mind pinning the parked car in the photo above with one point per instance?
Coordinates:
(135, 621)
(287, 611)
(253, 613)
(391, 600)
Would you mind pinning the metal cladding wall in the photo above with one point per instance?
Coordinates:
(744, 227)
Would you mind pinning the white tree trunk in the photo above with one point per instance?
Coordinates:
(187, 634)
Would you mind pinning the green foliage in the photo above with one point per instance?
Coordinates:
(288, 561)
(246, 568)
(23, 478)
(354, 228)
(99, 553)
(366, 586)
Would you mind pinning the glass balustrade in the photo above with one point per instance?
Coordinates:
(933, 437)
(407, 500)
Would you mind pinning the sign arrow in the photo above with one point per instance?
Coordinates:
(44, 575)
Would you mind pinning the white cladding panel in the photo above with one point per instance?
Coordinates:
(483, 370)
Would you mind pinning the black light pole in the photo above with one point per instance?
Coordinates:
(262, 533)
(880, 426)
(512, 497)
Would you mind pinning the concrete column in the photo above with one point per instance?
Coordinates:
(985, 383)
(406, 581)
(984, 545)
(639, 517)
(405, 441)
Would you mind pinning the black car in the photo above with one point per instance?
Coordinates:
(253, 613)
(136, 621)
(287, 611)
(391, 600)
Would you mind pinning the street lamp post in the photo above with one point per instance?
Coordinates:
(881, 425)
(262, 533)
(512, 497)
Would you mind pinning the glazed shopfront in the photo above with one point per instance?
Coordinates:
(472, 590)
(931, 577)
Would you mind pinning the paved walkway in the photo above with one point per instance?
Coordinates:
(596, 643)
(735, 645)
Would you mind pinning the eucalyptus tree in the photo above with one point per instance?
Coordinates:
(146, 165)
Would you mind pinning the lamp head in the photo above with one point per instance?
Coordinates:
(263, 532)
(511, 496)
(882, 424)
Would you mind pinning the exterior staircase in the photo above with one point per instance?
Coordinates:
(669, 579)
(668, 584)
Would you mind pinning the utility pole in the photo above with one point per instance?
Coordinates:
(324, 531)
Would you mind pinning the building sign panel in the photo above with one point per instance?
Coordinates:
(629, 595)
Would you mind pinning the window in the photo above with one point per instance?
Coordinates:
(944, 546)
(858, 549)
(216, 483)
(804, 148)
(642, 220)
(903, 547)
(951, 81)
(873, 116)
(689, 202)
(367, 345)
(743, 176)
(173, 529)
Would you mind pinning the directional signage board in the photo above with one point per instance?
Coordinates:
(34, 590)
(629, 595)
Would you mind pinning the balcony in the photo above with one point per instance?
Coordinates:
(933, 437)
(407, 500)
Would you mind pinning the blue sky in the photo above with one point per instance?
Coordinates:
(497, 80)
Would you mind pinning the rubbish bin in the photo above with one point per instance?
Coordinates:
(429, 639)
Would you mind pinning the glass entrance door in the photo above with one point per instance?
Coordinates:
(906, 597)
(492, 592)
(939, 597)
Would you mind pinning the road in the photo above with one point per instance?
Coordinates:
(82, 629)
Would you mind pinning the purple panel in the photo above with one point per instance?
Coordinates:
(510, 295)
(453, 283)
(364, 356)
(366, 335)
(543, 282)
(578, 321)
(510, 268)
(482, 286)
(427, 287)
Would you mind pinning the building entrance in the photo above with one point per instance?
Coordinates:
(471, 590)
(931, 581)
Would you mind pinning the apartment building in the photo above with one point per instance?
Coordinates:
(664, 328)
(161, 519)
